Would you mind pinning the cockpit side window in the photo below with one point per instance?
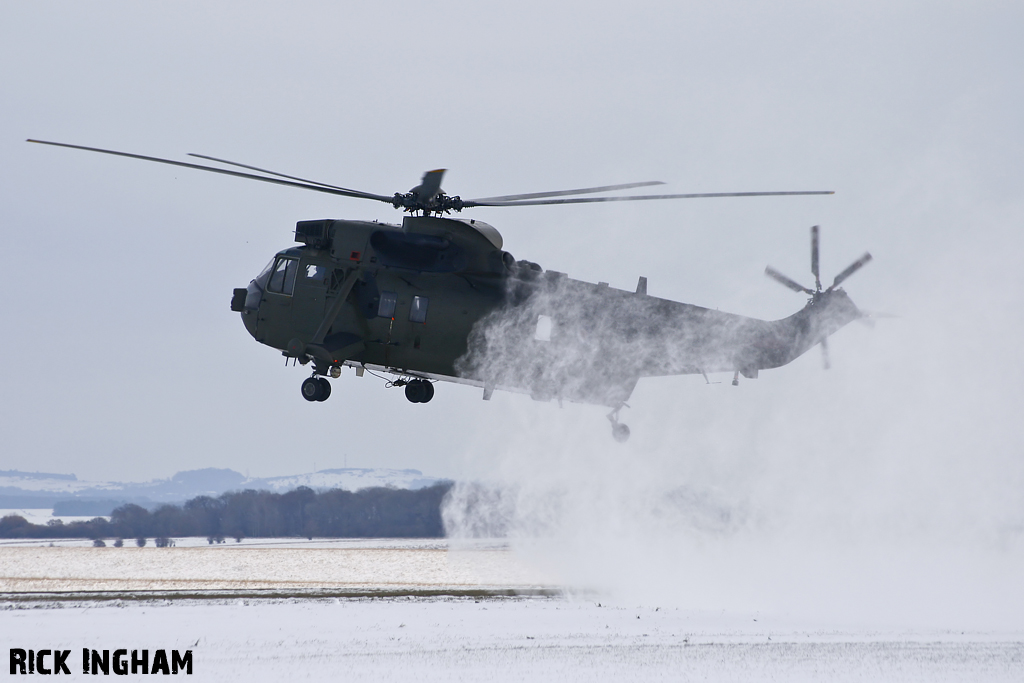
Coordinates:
(282, 280)
(265, 273)
(261, 279)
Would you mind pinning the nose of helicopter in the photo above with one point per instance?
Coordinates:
(247, 302)
(249, 320)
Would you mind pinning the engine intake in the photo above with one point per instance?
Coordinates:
(315, 234)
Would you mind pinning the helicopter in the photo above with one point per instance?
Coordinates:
(437, 298)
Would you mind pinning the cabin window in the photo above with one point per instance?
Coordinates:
(282, 280)
(544, 327)
(314, 272)
(418, 310)
(386, 309)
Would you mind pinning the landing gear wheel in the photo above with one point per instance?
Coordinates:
(325, 389)
(620, 432)
(419, 391)
(311, 389)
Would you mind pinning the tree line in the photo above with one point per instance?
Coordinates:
(368, 513)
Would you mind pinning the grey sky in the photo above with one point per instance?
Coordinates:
(123, 361)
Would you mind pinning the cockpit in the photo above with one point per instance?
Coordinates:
(282, 275)
(278, 277)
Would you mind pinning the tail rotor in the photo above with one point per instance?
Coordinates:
(817, 293)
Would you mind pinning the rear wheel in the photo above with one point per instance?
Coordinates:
(620, 432)
(413, 391)
(419, 391)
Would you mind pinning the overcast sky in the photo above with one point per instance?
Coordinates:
(122, 360)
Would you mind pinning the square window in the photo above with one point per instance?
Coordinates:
(418, 310)
(386, 308)
(316, 272)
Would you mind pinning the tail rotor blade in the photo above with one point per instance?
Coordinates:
(868, 318)
(876, 315)
(824, 353)
(785, 281)
(814, 257)
(851, 269)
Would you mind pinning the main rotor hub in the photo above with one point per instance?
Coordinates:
(439, 204)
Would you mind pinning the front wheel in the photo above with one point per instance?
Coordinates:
(312, 389)
(325, 389)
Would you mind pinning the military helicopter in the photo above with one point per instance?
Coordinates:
(438, 299)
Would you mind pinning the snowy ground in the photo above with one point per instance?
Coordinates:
(206, 598)
(512, 639)
(294, 566)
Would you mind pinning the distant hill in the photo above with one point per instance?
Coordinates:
(37, 475)
(350, 479)
(44, 490)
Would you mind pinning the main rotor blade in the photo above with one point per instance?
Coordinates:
(636, 198)
(562, 193)
(288, 183)
(851, 269)
(814, 256)
(263, 170)
(785, 281)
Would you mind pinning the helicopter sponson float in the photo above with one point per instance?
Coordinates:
(437, 298)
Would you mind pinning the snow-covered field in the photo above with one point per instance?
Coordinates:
(510, 639)
(295, 566)
(414, 620)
